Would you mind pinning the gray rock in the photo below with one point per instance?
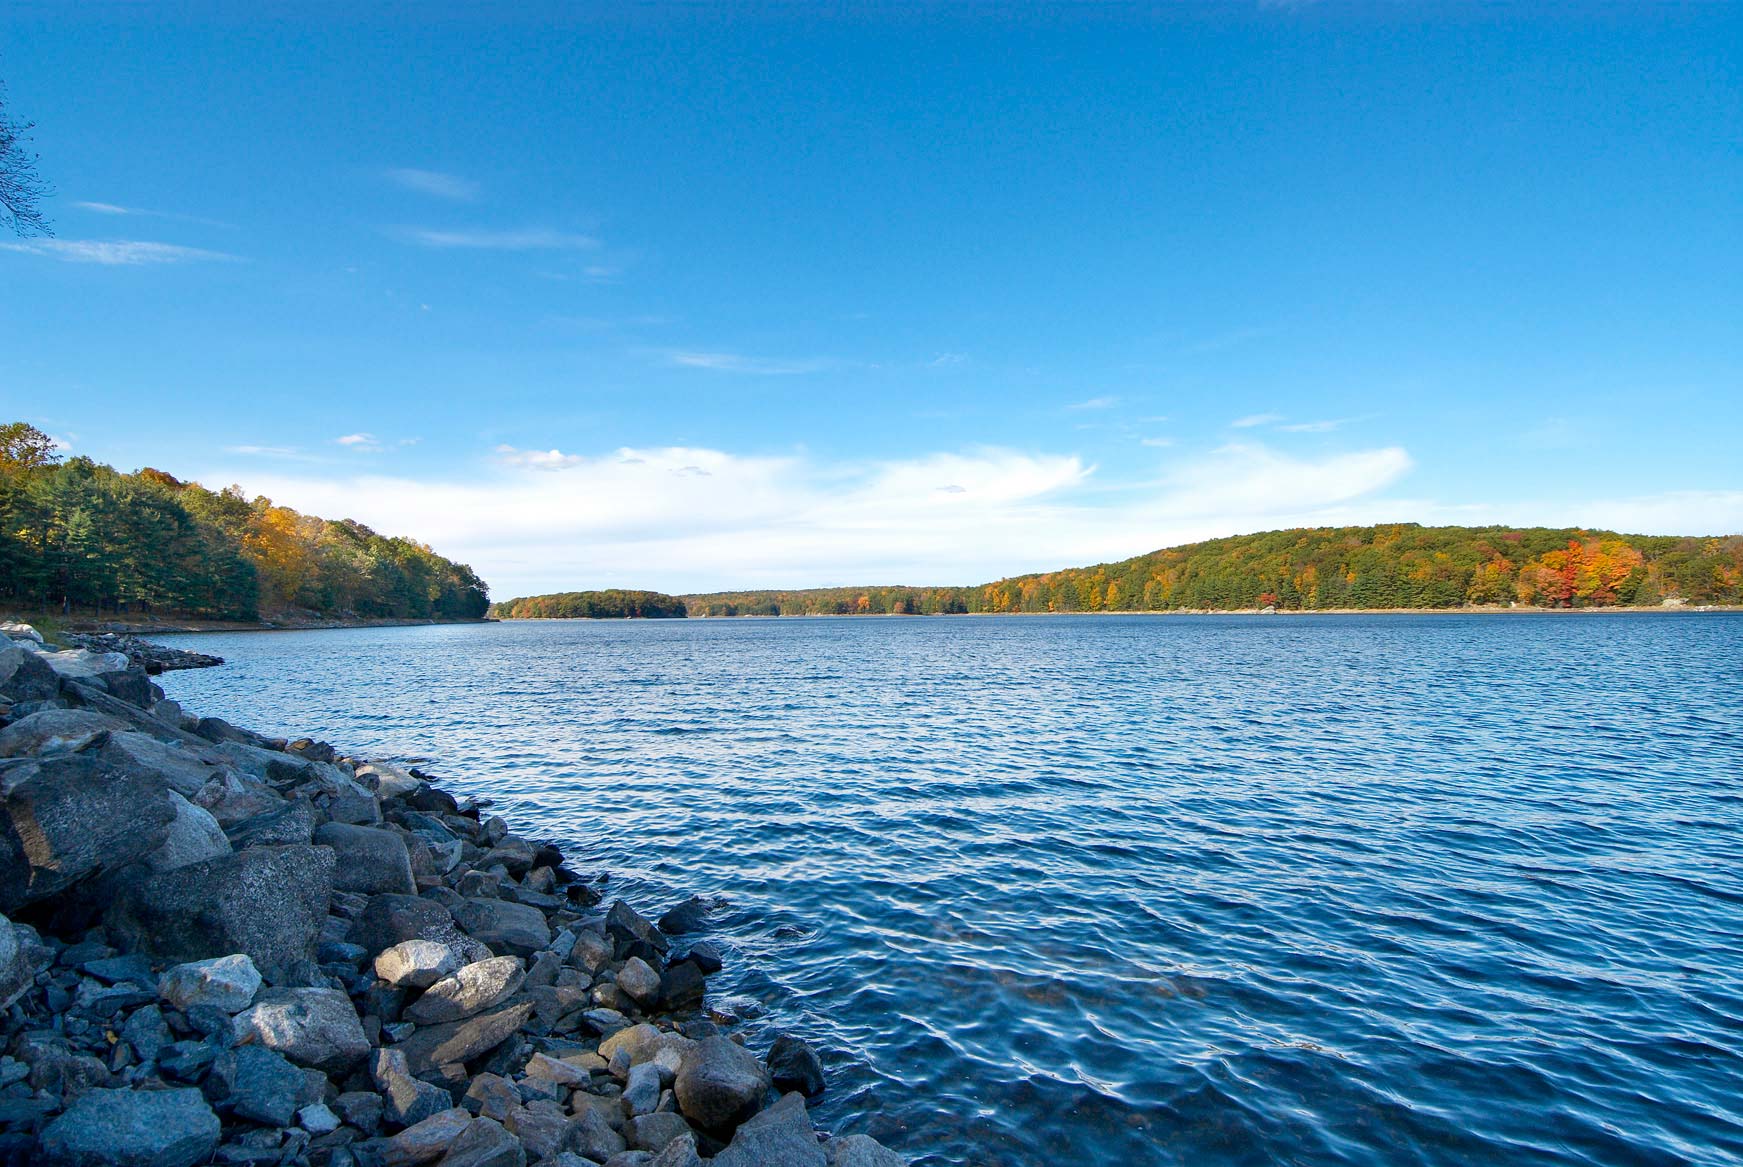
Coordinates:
(317, 1119)
(184, 767)
(638, 1041)
(147, 1032)
(405, 1101)
(682, 985)
(461, 1041)
(562, 1071)
(23, 676)
(390, 780)
(370, 860)
(485, 1143)
(416, 964)
(630, 1159)
(55, 731)
(503, 926)
(627, 927)
(286, 822)
(389, 919)
(363, 1109)
(862, 1151)
(689, 916)
(720, 1084)
(266, 902)
(793, 1065)
(312, 1027)
(540, 1126)
(590, 1135)
(780, 1136)
(492, 1096)
(69, 817)
(679, 1152)
(652, 1132)
(469, 991)
(642, 1092)
(193, 835)
(638, 979)
(133, 1128)
(224, 982)
(426, 1141)
(591, 951)
(16, 975)
(236, 799)
(268, 1089)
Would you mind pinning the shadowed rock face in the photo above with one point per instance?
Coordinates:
(266, 902)
(66, 818)
(720, 1084)
(133, 1128)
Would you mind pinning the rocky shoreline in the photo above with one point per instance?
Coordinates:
(219, 947)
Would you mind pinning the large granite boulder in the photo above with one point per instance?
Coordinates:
(394, 917)
(56, 731)
(185, 767)
(461, 1041)
(318, 1028)
(65, 818)
(780, 1136)
(16, 974)
(416, 964)
(193, 835)
(371, 860)
(793, 1065)
(862, 1151)
(225, 983)
(719, 1084)
(502, 926)
(281, 823)
(24, 677)
(471, 990)
(267, 902)
(133, 1128)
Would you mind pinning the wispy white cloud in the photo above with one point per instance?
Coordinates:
(552, 459)
(107, 208)
(359, 443)
(114, 252)
(524, 239)
(1095, 403)
(434, 182)
(1255, 419)
(1158, 443)
(739, 363)
(1312, 427)
(947, 360)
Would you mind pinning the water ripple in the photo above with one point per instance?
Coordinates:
(1365, 890)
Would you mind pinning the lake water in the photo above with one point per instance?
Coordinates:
(1140, 890)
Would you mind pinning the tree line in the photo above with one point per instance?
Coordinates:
(1398, 565)
(78, 536)
(601, 605)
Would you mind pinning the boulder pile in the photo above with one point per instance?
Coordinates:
(219, 947)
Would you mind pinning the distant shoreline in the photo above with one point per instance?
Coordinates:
(1469, 611)
(166, 627)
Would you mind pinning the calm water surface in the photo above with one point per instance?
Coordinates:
(1148, 890)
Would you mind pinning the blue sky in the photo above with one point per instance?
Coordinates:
(687, 297)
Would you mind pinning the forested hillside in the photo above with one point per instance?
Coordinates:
(1399, 565)
(609, 604)
(82, 537)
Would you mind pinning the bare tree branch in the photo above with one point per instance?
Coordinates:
(21, 188)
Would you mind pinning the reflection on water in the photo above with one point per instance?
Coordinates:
(1343, 890)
